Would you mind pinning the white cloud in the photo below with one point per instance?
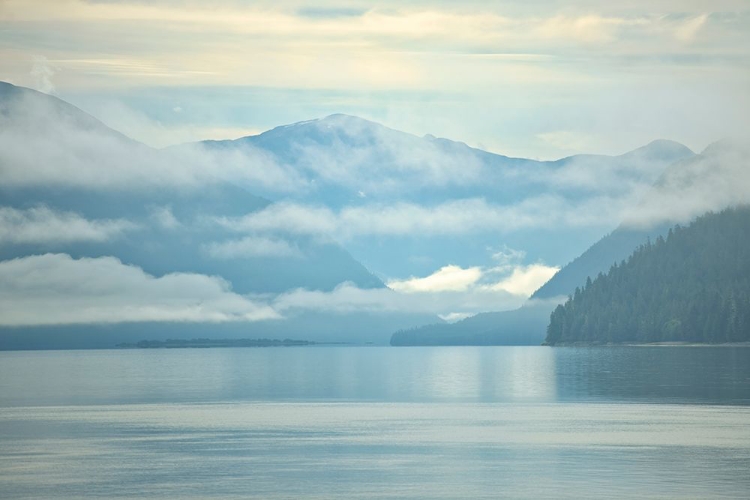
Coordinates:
(55, 289)
(456, 217)
(451, 292)
(525, 280)
(285, 217)
(448, 278)
(718, 178)
(507, 256)
(454, 316)
(41, 73)
(104, 290)
(352, 147)
(42, 225)
(45, 142)
(164, 217)
(347, 298)
(137, 125)
(252, 246)
(514, 278)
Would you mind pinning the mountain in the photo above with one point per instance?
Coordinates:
(527, 325)
(77, 194)
(237, 223)
(692, 286)
(712, 180)
(598, 258)
(522, 326)
(349, 164)
(339, 158)
(45, 123)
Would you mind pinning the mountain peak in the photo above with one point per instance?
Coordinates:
(662, 149)
(22, 107)
(344, 120)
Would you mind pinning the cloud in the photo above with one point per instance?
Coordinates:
(164, 217)
(455, 217)
(104, 290)
(43, 225)
(252, 246)
(448, 278)
(498, 73)
(525, 280)
(717, 178)
(46, 142)
(451, 292)
(585, 29)
(41, 73)
(285, 217)
(507, 256)
(454, 317)
(160, 133)
(347, 298)
(342, 150)
(688, 30)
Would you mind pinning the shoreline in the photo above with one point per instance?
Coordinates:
(648, 344)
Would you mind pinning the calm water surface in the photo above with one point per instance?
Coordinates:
(371, 422)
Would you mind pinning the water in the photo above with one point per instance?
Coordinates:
(370, 422)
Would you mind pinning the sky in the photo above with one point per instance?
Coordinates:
(538, 79)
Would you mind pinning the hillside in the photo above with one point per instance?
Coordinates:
(692, 286)
(527, 325)
(712, 180)
(598, 258)
(75, 193)
(522, 326)
(167, 205)
(351, 165)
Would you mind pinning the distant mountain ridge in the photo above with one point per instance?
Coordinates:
(59, 165)
(55, 157)
(522, 326)
(686, 185)
(157, 249)
(342, 161)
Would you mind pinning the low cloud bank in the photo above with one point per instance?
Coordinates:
(55, 289)
(46, 226)
(251, 246)
(451, 292)
(718, 178)
(455, 217)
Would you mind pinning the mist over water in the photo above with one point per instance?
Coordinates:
(370, 422)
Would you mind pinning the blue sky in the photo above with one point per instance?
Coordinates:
(539, 79)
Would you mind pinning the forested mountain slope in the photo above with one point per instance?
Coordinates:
(692, 286)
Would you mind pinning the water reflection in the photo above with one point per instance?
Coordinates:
(460, 374)
(453, 373)
(531, 375)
